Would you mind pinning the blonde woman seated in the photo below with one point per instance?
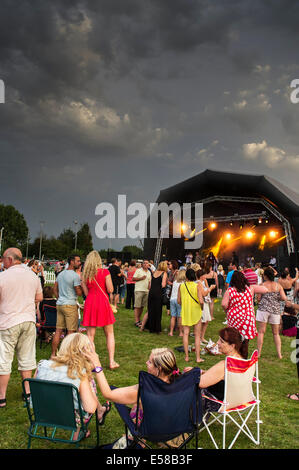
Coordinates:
(72, 366)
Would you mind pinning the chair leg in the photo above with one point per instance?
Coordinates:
(97, 429)
(224, 429)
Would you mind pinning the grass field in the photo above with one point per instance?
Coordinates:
(278, 378)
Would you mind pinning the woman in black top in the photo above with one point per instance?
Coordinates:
(158, 283)
(211, 278)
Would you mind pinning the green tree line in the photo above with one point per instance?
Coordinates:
(16, 233)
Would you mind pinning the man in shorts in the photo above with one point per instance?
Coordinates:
(142, 279)
(20, 291)
(66, 289)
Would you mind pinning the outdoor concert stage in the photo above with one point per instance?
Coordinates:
(253, 215)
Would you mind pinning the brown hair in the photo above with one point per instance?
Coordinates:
(232, 336)
(239, 281)
(48, 292)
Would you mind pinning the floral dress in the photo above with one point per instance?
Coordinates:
(240, 312)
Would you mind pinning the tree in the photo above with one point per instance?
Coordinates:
(135, 251)
(15, 230)
(84, 240)
(67, 237)
(52, 248)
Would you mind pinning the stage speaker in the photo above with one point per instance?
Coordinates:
(283, 260)
(126, 257)
(293, 263)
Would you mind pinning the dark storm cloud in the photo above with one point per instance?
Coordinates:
(101, 93)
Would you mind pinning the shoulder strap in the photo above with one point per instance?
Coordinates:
(191, 294)
(101, 289)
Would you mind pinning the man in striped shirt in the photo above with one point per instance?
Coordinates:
(250, 275)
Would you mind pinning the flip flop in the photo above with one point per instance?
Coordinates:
(107, 405)
(200, 360)
(295, 394)
(3, 403)
(138, 323)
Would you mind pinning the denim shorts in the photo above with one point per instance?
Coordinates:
(175, 308)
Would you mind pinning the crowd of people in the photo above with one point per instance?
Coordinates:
(188, 291)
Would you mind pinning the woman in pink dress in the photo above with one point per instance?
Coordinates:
(97, 285)
(238, 304)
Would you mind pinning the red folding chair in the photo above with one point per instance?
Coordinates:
(239, 400)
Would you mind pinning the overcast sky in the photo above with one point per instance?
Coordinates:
(131, 96)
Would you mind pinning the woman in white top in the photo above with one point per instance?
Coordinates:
(175, 307)
(206, 316)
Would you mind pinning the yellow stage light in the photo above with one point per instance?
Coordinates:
(184, 227)
(273, 234)
(228, 236)
(249, 235)
(212, 225)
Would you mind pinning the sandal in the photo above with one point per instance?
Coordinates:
(3, 403)
(138, 323)
(295, 394)
(107, 405)
(25, 396)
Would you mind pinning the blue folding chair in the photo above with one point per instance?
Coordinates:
(169, 410)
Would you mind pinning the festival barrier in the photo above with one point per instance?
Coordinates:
(50, 277)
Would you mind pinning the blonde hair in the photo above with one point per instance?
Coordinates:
(71, 354)
(92, 263)
(180, 275)
(195, 266)
(220, 268)
(165, 361)
(163, 266)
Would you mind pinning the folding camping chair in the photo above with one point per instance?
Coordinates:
(48, 322)
(51, 408)
(239, 400)
(169, 410)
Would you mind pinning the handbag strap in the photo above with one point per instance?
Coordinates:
(102, 290)
(191, 294)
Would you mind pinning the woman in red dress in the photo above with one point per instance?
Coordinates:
(97, 285)
(238, 304)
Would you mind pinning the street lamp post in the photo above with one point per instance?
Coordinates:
(76, 222)
(41, 239)
(27, 243)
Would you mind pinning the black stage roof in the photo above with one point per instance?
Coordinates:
(211, 183)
